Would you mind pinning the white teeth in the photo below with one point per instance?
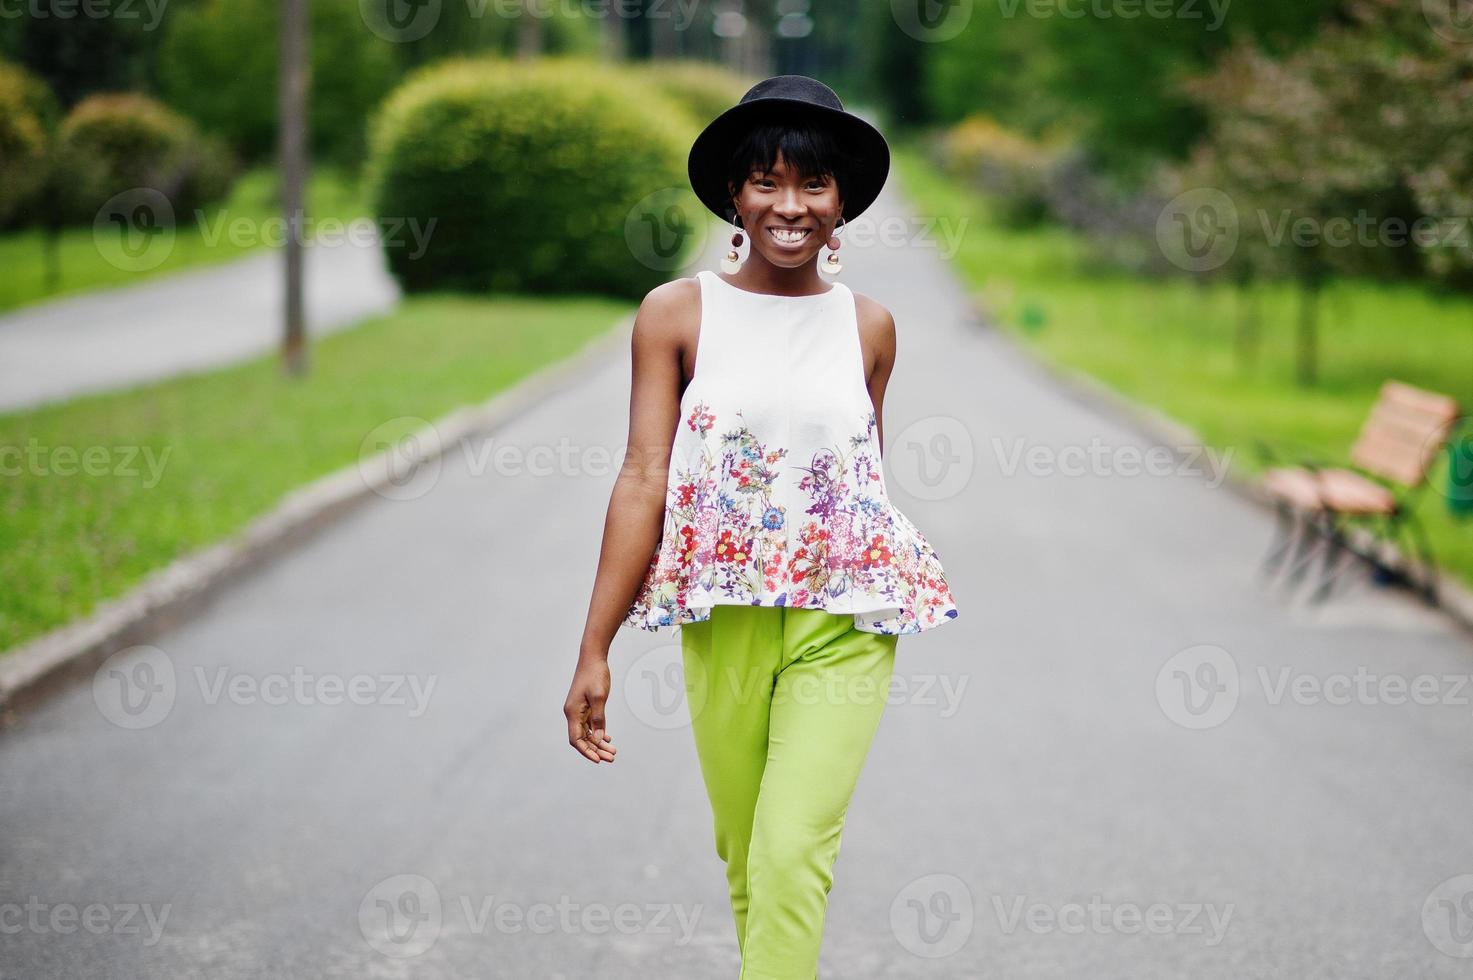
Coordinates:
(788, 236)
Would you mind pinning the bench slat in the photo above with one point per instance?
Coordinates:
(1394, 458)
(1421, 399)
(1404, 432)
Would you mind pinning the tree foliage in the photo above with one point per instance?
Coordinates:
(1089, 67)
(1336, 154)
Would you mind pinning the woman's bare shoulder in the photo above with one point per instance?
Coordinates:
(671, 310)
(876, 323)
(872, 312)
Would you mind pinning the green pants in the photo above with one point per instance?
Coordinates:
(784, 704)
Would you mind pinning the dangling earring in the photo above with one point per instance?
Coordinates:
(732, 263)
(830, 265)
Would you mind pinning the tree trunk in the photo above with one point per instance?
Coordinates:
(1307, 345)
(613, 46)
(529, 32)
(1249, 327)
(293, 84)
(664, 38)
(51, 257)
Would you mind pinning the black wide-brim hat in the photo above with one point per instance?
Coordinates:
(787, 98)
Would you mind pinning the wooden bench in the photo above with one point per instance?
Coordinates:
(1319, 503)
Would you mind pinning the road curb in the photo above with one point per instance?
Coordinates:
(30, 671)
(1456, 599)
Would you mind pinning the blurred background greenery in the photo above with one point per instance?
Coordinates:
(1064, 136)
(1078, 113)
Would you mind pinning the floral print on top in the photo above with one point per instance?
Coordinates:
(729, 537)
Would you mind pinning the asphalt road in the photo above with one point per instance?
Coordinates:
(189, 321)
(1124, 759)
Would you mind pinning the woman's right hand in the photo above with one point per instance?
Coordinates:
(585, 710)
(666, 330)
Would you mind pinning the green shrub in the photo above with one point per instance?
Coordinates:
(1012, 168)
(111, 143)
(211, 172)
(530, 172)
(27, 115)
(704, 89)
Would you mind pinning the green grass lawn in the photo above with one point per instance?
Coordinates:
(179, 465)
(1170, 343)
(330, 194)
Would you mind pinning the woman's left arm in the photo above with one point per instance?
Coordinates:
(877, 331)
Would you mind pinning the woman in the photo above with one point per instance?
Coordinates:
(763, 530)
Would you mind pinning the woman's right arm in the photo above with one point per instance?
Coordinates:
(636, 512)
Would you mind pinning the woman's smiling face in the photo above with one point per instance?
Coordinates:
(788, 215)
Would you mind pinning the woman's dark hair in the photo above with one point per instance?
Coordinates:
(809, 145)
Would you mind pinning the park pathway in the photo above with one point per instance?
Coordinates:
(1123, 760)
(189, 321)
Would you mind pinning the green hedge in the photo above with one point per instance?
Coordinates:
(1010, 166)
(27, 115)
(706, 90)
(531, 173)
(111, 143)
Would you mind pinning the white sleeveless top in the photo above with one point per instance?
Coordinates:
(776, 496)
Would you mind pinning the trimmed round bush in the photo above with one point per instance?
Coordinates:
(1011, 167)
(530, 173)
(211, 172)
(27, 114)
(110, 143)
(704, 89)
